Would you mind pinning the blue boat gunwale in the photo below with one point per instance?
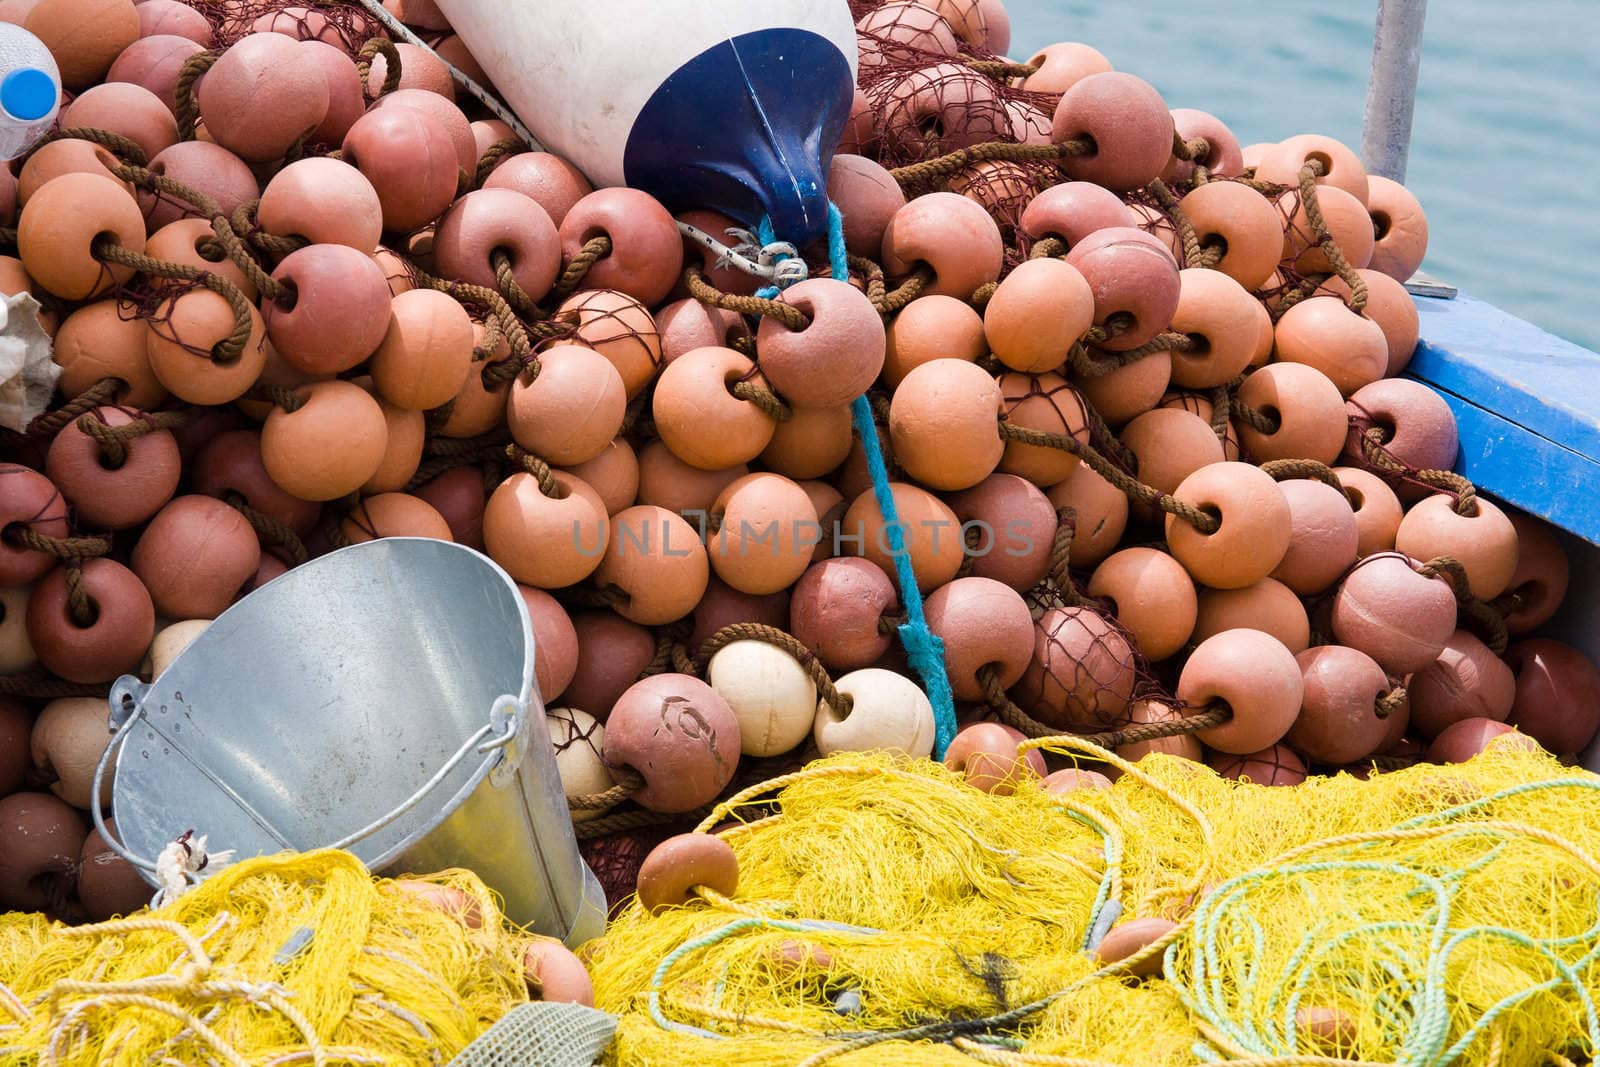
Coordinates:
(1527, 404)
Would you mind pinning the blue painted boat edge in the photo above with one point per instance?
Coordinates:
(1529, 472)
(1512, 367)
(680, 151)
(1527, 405)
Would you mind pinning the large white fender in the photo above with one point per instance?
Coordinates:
(734, 105)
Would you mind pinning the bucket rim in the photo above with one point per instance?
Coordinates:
(502, 750)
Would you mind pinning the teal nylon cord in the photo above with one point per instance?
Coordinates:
(924, 648)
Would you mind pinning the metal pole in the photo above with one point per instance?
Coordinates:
(1392, 88)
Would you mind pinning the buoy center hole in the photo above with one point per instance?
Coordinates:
(1323, 159)
(288, 296)
(209, 249)
(93, 613)
(1381, 224)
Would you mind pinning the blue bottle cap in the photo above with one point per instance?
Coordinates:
(27, 93)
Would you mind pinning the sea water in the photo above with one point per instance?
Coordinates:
(1505, 147)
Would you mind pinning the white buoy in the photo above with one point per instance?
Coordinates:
(772, 696)
(889, 714)
(579, 740)
(169, 641)
(731, 105)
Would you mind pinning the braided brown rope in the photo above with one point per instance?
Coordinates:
(1256, 419)
(994, 694)
(666, 637)
(282, 396)
(983, 294)
(1063, 588)
(1186, 234)
(707, 293)
(1307, 287)
(942, 168)
(1485, 620)
(510, 327)
(1389, 703)
(1282, 470)
(612, 596)
(872, 275)
(629, 782)
(593, 251)
(841, 703)
(62, 548)
(225, 351)
(114, 440)
(1130, 485)
(1110, 446)
(1450, 482)
(1221, 409)
(1155, 731)
(682, 661)
(391, 58)
(1372, 440)
(635, 819)
(248, 229)
(1451, 570)
(1189, 151)
(274, 533)
(226, 231)
(1047, 247)
(495, 155)
(1319, 226)
(185, 108)
(769, 402)
(535, 466)
(506, 281)
(80, 605)
(40, 685)
(1000, 69)
(1489, 624)
(126, 149)
(1093, 363)
(100, 393)
(891, 301)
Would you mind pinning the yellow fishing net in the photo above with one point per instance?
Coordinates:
(299, 959)
(889, 914)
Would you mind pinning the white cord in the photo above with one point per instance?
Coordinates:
(766, 264)
(490, 101)
(179, 861)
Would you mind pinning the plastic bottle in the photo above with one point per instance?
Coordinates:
(30, 90)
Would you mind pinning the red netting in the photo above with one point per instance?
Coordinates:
(615, 861)
(344, 25)
(1086, 671)
(925, 100)
(153, 300)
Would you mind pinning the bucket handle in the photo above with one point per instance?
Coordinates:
(506, 721)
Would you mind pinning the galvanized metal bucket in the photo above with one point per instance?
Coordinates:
(378, 699)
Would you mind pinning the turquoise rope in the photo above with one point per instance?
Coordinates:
(924, 648)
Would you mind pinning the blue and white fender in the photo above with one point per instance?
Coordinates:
(732, 105)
